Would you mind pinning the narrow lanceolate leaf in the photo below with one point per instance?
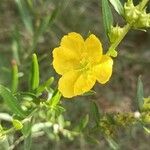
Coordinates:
(117, 6)
(46, 84)
(112, 144)
(26, 130)
(11, 101)
(147, 130)
(14, 75)
(83, 123)
(55, 99)
(96, 113)
(107, 16)
(140, 93)
(34, 78)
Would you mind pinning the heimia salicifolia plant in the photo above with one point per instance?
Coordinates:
(81, 62)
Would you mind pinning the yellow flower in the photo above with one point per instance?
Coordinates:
(80, 62)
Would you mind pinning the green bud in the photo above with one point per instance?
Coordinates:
(112, 53)
(17, 124)
(146, 118)
(146, 104)
(143, 21)
(131, 12)
(125, 119)
(115, 33)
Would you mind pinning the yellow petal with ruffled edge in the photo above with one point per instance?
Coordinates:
(74, 42)
(103, 70)
(84, 83)
(93, 48)
(64, 60)
(67, 82)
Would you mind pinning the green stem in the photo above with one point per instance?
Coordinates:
(115, 45)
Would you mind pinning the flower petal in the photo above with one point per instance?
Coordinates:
(103, 71)
(93, 48)
(64, 60)
(66, 83)
(84, 83)
(74, 42)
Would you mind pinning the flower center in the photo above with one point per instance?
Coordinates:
(84, 64)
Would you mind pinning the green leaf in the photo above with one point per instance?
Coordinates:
(28, 95)
(140, 93)
(34, 78)
(46, 84)
(26, 130)
(107, 16)
(147, 130)
(11, 101)
(83, 123)
(112, 143)
(55, 99)
(14, 78)
(91, 92)
(25, 15)
(117, 6)
(96, 113)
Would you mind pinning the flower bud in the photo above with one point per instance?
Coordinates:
(115, 33)
(143, 21)
(146, 105)
(17, 124)
(146, 117)
(131, 12)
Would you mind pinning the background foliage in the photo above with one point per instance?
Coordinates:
(36, 26)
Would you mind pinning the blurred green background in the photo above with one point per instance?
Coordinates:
(37, 26)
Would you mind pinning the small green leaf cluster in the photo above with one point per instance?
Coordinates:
(36, 110)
